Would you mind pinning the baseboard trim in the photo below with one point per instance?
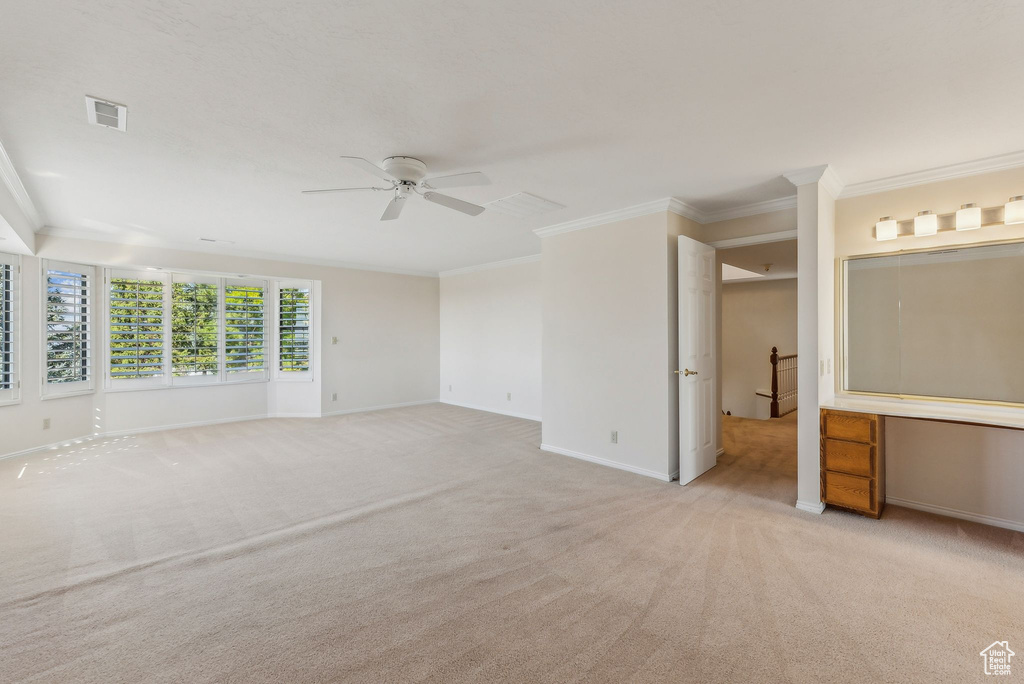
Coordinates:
(123, 433)
(382, 407)
(175, 426)
(664, 477)
(815, 507)
(198, 423)
(51, 445)
(957, 513)
(511, 414)
(720, 452)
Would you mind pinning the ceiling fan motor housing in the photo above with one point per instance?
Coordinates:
(408, 169)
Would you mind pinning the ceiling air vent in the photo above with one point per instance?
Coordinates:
(522, 205)
(109, 114)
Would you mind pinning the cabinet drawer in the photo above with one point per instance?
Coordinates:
(849, 491)
(850, 457)
(852, 427)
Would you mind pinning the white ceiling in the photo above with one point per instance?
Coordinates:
(235, 106)
(781, 255)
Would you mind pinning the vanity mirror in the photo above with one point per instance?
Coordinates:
(941, 324)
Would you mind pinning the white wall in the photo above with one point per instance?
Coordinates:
(972, 470)
(756, 316)
(387, 351)
(491, 339)
(607, 363)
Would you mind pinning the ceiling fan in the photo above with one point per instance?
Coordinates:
(406, 177)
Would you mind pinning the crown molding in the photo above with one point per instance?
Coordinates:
(760, 279)
(505, 263)
(668, 204)
(939, 173)
(823, 174)
(243, 253)
(761, 239)
(13, 182)
(765, 207)
(681, 208)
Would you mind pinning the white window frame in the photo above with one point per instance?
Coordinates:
(13, 394)
(293, 376)
(68, 389)
(168, 380)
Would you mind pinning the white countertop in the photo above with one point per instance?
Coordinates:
(999, 416)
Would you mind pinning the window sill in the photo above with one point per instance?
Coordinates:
(150, 388)
(10, 402)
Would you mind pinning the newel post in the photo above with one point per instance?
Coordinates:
(775, 382)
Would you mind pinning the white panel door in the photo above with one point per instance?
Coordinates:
(697, 350)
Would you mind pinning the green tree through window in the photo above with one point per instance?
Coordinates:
(244, 328)
(194, 335)
(136, 328)
(67, 327)
(294, 329)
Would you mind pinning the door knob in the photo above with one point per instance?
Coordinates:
(686, 372)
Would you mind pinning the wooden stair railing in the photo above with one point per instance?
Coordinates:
(783, 383)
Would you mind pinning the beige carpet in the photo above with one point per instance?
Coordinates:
(439, 544)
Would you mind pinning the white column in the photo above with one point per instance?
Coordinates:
(816, 190)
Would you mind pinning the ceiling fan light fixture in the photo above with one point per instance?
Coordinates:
(406, 176)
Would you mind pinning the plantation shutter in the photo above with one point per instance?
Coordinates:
(245, 347)
(137, 330)
(293, 329)
(68, 321)
(195, 327)
(9, 381)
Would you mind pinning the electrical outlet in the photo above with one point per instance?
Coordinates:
(46, 423)
(334, 397)
(615, 436)
(449, 388)
(334, 340)
(509, 396)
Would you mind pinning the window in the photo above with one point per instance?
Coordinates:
(195, 325)
(136, 328)
(244, 328)
(9, 381)
(176, 329)
(293, 329)
(67, 339)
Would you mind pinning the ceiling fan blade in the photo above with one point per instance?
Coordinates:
(394, 209)
(314, 192)
(452, 203)
(369, 167)
(458, 180)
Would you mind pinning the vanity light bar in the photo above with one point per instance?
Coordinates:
(968, 217)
